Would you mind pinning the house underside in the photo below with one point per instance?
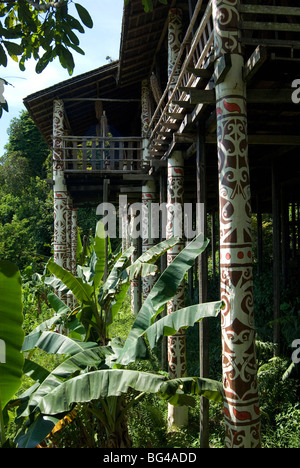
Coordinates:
(199, 86)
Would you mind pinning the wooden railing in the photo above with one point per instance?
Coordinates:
(260, 25)
(102, 154)
(197, 48)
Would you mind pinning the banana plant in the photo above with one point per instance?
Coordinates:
(94, 372)
(11, 336)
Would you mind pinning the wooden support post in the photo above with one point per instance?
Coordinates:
(163, 258)
(106, 183)
(213, 244)
(285, 233)
(241, 404)
(178, 416)
(203, 272)
(60, 194)
(74, 242)
(259, 240)
(174, 45)
(148, 197)
(276, 256)
(145, 116)
(135, 300)
(70, 296)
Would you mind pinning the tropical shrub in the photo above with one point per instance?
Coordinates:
(95, 373)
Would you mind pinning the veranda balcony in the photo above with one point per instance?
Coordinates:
(107, 155)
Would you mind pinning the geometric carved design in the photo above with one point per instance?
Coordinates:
(241, 406)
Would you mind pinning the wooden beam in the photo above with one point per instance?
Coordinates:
(254, 96)
(277, 140)
(130, 189)
(141, 177)
(222, 67)
(269, 10)
(198, 96)
(269, 26)
(254, 63)
(158, 163)
(289, 44)
(200, 72)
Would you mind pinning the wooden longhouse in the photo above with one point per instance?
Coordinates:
(202, 106)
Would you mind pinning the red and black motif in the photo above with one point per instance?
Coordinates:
(176, 343)
(148, 196)
(241, 406)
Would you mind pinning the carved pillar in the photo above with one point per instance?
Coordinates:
(176, 343)
(148, 197)
(74, 242)
(241, 406)
(174, 44)
(145, 116)
(60, 189)
(135, 283)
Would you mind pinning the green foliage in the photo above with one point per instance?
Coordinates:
(44, 30)
(90, 374)
(26, 207)
(25, 141)
(11, 336)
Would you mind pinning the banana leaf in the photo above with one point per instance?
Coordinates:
(163, 291)
(95, 385)
(82, 291)
(144, 264)
(81, 362)
(183, 318)
(55, 343)
(11, 333)
(176, 390)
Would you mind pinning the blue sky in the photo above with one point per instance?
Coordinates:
(98, 43)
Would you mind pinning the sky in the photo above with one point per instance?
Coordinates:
(99, 42)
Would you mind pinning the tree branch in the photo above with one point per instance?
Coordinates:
(45, 6)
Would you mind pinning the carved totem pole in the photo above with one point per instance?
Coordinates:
(241, 406)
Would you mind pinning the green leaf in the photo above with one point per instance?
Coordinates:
(3, 57)
(11, 333)
(139, 267)
(66, 59)
(164, 289)
(183, 318)
(95, 385)
(210, 389)
(81, 291)
(37, 431)
(84, 15)
(12, 48)
(55, 343)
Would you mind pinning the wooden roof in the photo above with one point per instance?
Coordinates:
(79, 95)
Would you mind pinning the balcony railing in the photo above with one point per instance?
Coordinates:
(270, 26)
(102, 154)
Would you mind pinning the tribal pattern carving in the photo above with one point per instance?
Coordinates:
(146, 108)
(174, 45)
(148, 197)
(176, 343)
(74, 242)
(60, 232)
(241, 406)
(226, 27)
(58, 131)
